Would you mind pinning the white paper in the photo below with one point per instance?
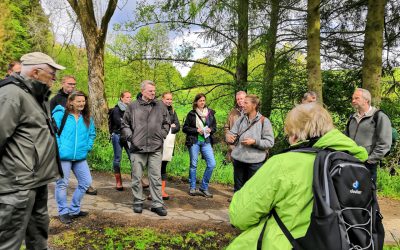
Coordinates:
(205, 133)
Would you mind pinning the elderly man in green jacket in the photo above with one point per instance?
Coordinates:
(28, 153)
(285, 182)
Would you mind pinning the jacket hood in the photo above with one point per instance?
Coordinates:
(57, 109)
(337, 140)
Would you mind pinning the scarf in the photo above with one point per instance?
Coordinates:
(122, 106)
(203, 114)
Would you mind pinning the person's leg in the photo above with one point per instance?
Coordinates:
(373, 170)
(194, 154)
(38, 226)
(252, 168)
(154, 174)
(208, 154)
(82, 173)
(238, 175)
(117, 153)
(139, 162)
(165, 196)
(15, 212)
(62, 187)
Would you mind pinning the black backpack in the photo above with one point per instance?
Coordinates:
(345, 212)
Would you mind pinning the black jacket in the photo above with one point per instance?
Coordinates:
(190, 129)
(115, 120)
(59, 99)
(174, 120)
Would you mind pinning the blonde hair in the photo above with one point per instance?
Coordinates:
(306, 121)
(255, 100)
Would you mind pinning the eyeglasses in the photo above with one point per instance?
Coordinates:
(53, 74)
(71, 83)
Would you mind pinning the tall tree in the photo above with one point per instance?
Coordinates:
(373, 45)
(313, 48)
(269, 68)
(242, 56)
(95, 38)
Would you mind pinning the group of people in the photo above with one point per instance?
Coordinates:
(42, 142)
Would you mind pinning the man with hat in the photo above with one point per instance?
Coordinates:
(28, 153)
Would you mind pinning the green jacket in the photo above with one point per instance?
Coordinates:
(283, 182)
(28, 148)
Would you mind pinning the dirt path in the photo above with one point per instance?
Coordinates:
(184, 212)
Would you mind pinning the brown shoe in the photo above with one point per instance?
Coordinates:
(91, 191)
(144, 184)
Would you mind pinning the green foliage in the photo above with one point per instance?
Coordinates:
(138, 238)
(389, 185)
(23, 28)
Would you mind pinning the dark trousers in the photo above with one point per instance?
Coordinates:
(164, 170)
(242, 172)
(373, 170)
(23, 215)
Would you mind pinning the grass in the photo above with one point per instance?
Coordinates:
(101, 158)
(138, 238)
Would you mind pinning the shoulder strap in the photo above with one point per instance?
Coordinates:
(251, 125)
(12, 80)
(63, 121)
(285, 231)
(376, 115)
(348, 125)
(205, 122)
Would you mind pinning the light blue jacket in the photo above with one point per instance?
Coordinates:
(76, 139)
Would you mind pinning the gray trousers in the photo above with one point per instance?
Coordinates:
(153, 163)
(23, 215)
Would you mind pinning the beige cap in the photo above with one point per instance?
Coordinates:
(36, 58)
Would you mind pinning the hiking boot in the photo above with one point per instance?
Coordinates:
(80, 214)
(161, 211)
(65, 219)
(118, 181)
(205, 193)
(138, 208)
(91, 191)
(192, 192)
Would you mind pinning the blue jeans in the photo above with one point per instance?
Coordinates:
(117, 152)
(82, 174)
(208, 154)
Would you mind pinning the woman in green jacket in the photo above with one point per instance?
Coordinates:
(285, 182)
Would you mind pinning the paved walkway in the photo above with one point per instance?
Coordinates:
(104, 202)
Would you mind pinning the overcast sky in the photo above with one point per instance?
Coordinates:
(66, 32)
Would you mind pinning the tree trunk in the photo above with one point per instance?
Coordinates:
(95, 37)
(269, 68)
(313, 48)
(373, 44)
(97, 97)
(242, 56)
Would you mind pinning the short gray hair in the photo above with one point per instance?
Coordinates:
(145, 82)
(309, 93)
(365, 94)
(241, 92)
(26, 70)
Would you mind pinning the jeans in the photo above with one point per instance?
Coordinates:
(242, 172)
(82, 174)
(208, 154)
(117, 152)
(23, 215)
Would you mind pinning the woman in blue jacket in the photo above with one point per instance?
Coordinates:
(74, 142)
